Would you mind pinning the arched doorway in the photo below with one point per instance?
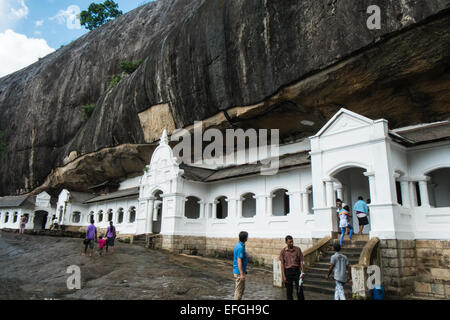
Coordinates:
(351, 183)
(157, 212)
(40, 220)
(439, 188)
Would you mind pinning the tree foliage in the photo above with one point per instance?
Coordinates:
(87, 110)
(99, 13)
(130, 66)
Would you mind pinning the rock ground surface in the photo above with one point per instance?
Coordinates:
(34, 267)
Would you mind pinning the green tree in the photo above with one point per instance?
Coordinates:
(99, 13)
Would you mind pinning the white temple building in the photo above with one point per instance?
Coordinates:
(404, 172)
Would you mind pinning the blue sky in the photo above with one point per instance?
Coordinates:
(30, 29)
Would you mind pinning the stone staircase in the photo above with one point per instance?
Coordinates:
(315, 275)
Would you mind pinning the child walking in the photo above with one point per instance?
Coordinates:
(101, 244)
(339, 263)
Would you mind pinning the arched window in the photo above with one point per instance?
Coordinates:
(120, 215)
(100, 216)
(76, 217)
(248, 205)
(221, 208)
(110, 215)
(91, 216)
(192, 208)
(439, 187)
(132, 215)
(6, 217)
(280, 202)
(16, 216)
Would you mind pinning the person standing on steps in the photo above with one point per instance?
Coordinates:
(338, 209)
(291, 258)
(111, 236)
(361, 210)
(240, 265)
(345, 222)
(342, 272)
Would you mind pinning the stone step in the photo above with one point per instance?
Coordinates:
(328, 290)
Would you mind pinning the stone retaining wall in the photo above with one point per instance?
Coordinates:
(433, 268)
(259, 250)
(417, 267)
(398, 266)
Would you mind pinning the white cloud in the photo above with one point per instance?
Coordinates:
(10, 12)
(69, 16)
(18, 51)
(20, 12)
(39, 23)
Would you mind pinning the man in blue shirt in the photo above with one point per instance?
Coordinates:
(361, 210)
(240, 265)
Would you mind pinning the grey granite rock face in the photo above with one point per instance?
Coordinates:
(199, 57)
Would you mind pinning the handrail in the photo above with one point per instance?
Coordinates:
(312, 254)
(366, 253)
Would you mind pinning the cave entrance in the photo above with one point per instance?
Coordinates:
(40, 220)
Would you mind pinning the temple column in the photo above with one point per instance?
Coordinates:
(331, 202)
(423, 187)
(305, 202)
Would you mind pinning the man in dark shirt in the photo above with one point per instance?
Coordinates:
(291, 258)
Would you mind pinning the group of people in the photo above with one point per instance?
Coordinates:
(103, 242)
(345, 217)
(292, 268)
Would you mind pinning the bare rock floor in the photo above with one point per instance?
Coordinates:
(34, 267)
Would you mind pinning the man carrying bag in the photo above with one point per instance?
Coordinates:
(291, 258)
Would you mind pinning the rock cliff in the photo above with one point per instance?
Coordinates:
(263, 62)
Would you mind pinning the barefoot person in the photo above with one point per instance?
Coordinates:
(111, 236)
(240, 265)
(91, 237)
(361, 210)
(339, 263)
(291, 258)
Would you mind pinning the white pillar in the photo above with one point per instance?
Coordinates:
(423, 187)
(340, 193)
(404, 186)
(261, 208)
(331, 202)
(372, 187)
(202, 209)
(305, 202)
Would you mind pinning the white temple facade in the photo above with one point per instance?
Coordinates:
(404, 172)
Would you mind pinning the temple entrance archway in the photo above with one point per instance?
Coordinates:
(350, 184)
(157, 212)
(40, 220)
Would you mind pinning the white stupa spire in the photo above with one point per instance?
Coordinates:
(164, 138)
